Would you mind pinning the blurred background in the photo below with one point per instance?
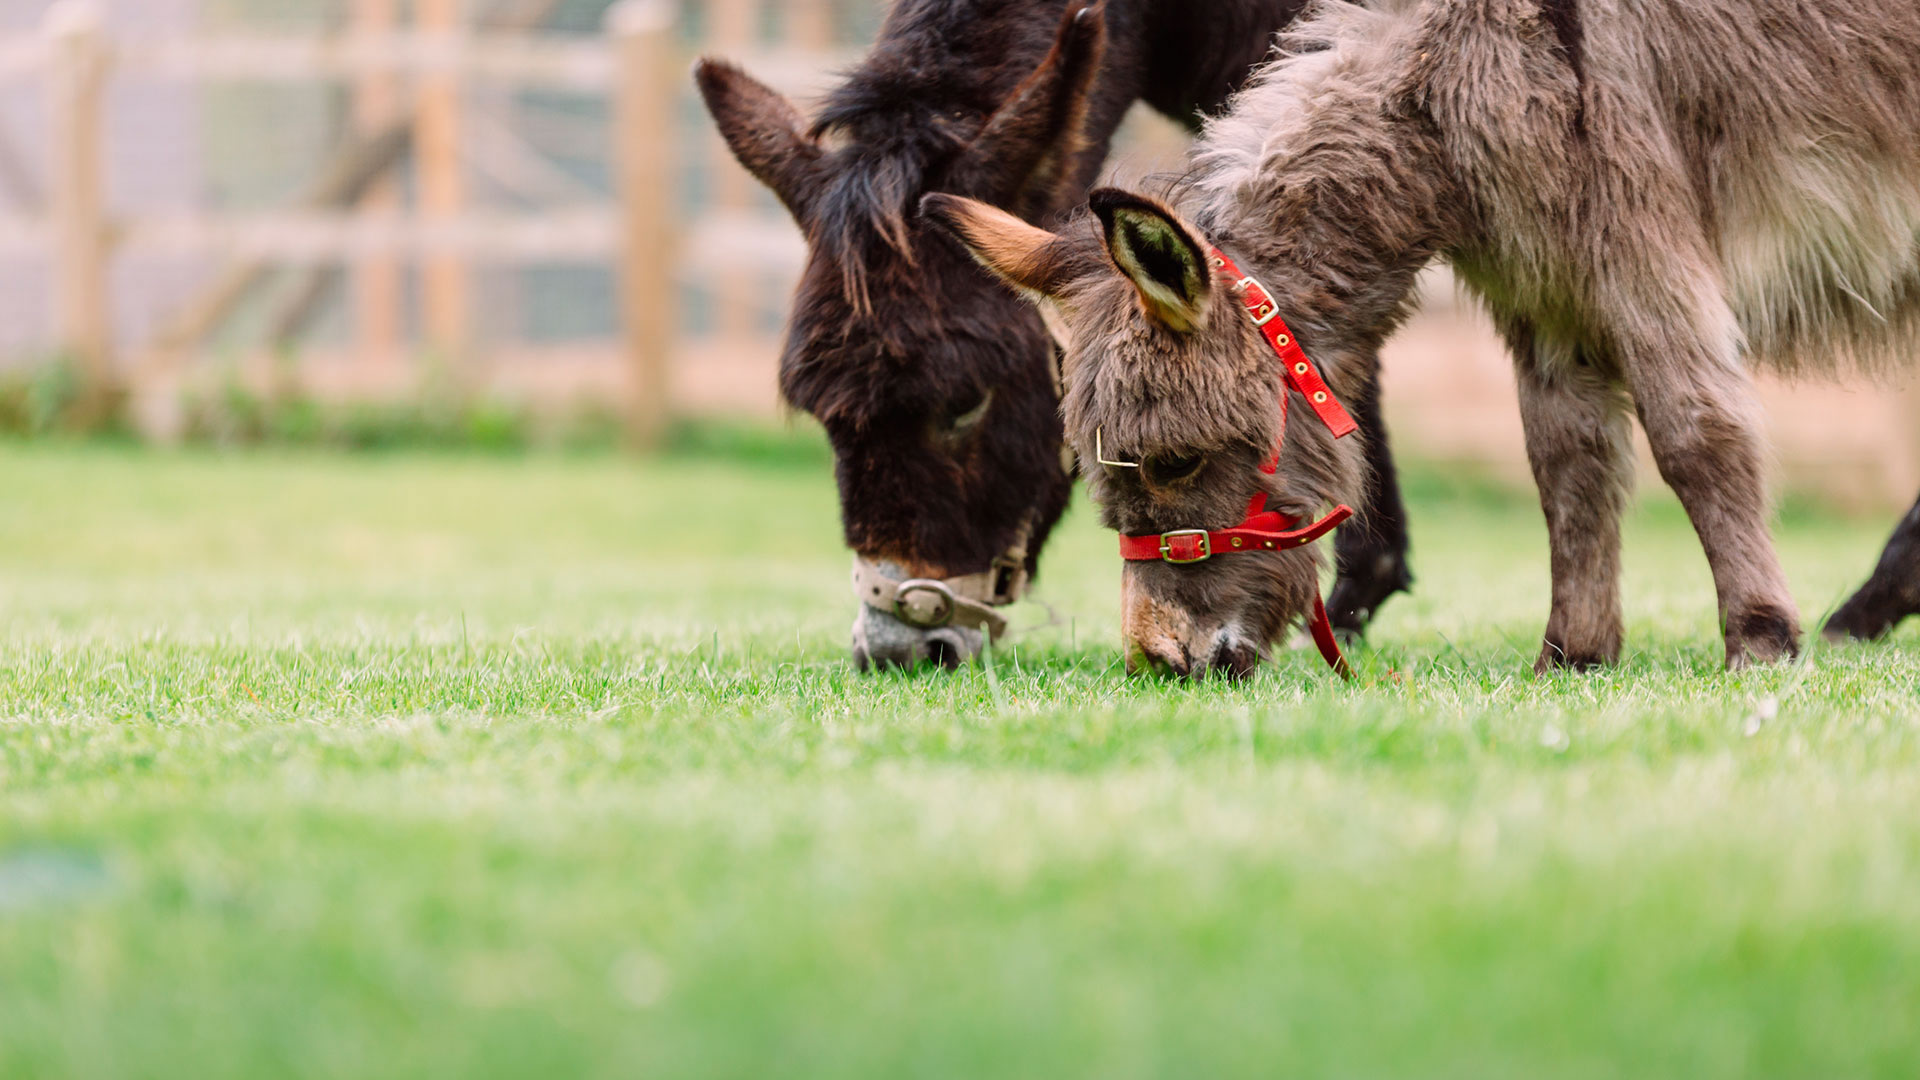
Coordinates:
(508, 222)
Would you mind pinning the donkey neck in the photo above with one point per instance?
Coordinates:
(1198, 54)
(1338, 281)
(1331, 186)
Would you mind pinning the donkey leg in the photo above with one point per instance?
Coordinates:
(1580, 444)
(1371, 550)
(1892, 594)
(1702, 420)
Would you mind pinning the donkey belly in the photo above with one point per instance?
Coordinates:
(1820, 252)
(1799, 124)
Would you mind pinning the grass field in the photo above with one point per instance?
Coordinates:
(317, 766)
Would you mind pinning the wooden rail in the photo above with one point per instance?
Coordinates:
(78, 83)
(410, 69)
(356, 221)
(562, 62)
(643, 122)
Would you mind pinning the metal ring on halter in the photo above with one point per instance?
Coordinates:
(967, 601)
(943, 614)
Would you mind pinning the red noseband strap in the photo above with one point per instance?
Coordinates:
(1263, 529)
(1268, 531)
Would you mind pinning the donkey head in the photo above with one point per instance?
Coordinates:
(936, 388)
(1176, 395)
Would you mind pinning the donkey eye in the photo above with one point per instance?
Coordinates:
(962, 422)
(1175, 468)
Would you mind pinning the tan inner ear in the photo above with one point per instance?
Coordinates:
(1171, 309)
(1163, 305)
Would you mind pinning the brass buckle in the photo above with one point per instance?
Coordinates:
(1166, 546)
(1272, 308)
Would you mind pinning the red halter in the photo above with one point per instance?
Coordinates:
(1263, 529)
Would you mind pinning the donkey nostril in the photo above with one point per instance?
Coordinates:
(1163, 658)
(1234, 660)
(1176, 663)
(945, 651)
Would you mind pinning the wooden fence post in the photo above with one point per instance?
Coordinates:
(438, 138)
(378, 286)
(82, 254)
(733, 27)
(646, 145)
(810, 24)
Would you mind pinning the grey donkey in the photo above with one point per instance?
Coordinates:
(1651, 198)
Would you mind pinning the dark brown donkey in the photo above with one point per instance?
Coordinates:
(936, 385)
(1651, 199)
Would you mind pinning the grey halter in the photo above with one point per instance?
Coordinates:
(966, 601)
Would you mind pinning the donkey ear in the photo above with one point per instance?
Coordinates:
(1163, 258)
(764, 131)
(1025, 156)
(1028, 258)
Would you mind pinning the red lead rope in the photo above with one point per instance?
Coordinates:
(1263, 529)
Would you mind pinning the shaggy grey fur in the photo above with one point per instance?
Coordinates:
(1715, 185)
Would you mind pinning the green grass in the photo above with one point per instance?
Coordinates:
(323, 766)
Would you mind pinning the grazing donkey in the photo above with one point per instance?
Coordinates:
(1647, 196)
(938, 389)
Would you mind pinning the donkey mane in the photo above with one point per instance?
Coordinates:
(885, 162)
(1333, 44)
(888, 147)
(901, 117)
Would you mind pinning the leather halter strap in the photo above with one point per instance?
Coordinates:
(967, 600)
(1300, 372)
(1260, 531)
(1263, 529)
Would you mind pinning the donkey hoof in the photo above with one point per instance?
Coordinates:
(1357, 596)
(1558, 654)
(1553, 659)
(1762, 635)
(1863, 619)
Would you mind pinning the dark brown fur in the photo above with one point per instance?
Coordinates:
(1892, 595)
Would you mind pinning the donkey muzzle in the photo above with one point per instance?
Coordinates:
(882, 641)
(905, 620)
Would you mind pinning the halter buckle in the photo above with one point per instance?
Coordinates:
(1266, 310)
(1202, 546)
(944, 603)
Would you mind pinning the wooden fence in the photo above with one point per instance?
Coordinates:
(678, 219)
(353, 214)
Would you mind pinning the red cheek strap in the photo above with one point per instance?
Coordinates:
(1263, 529)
